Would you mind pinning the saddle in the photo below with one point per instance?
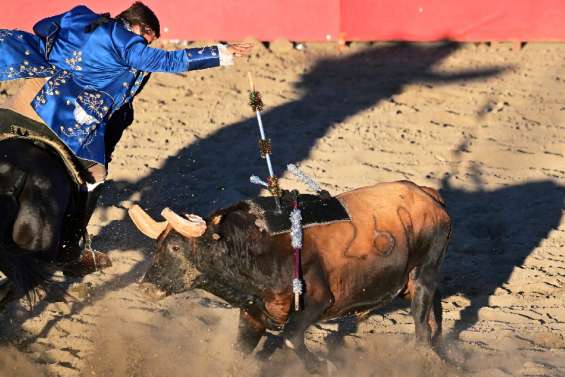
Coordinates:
(17, 126)
(315, 210)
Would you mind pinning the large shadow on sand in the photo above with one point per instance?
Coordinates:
(214, 171)
(494, 232)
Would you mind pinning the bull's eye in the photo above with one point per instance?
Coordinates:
(175, 248)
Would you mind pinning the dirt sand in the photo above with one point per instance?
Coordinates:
(484, 124)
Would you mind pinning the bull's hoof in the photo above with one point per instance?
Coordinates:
(431, 355)
(315, 366)
(89, 261)
(331, 369)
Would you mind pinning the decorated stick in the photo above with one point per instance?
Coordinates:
(265, 146)
(258, 181)
(304, 178)
(296, 241)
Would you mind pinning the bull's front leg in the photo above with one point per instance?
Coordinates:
(317, 299)
(250, 331)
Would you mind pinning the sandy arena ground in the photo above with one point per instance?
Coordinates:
(484, 124)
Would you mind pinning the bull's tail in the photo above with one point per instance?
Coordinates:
(28, 275)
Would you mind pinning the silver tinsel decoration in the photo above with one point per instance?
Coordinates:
(296, 228)
(258, 181)
(304, 178)
(297, 286)
(296, 240)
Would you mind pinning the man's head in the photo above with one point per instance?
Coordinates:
(142, 21)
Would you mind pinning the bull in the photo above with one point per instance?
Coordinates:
(393, 246)
(41, 220)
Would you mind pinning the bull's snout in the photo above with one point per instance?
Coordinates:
(151, 275)
(150, 284)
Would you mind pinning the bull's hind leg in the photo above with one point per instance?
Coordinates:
(424, 294)
(435, 318)
(425, 305)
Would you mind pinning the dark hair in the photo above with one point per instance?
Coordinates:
(103, 19)
(139, 14)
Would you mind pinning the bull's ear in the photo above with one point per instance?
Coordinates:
(216, 219)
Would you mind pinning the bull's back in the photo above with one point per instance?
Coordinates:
(386, 198)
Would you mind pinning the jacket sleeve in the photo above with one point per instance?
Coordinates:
(139, 55)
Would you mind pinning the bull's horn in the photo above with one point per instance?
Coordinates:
(193, 226)
(145, 223)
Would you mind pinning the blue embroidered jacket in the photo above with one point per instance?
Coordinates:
(91, 75)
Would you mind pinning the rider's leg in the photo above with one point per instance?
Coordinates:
(97, 176)
(89, 260)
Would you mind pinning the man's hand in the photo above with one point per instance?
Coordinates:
(240, 48)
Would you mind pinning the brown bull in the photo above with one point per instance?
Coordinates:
(394, 245)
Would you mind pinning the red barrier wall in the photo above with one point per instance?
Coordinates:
(318, 20)
(462, 20)
(203, 20)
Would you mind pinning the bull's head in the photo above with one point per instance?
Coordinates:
(171, 270)
(225, 249)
